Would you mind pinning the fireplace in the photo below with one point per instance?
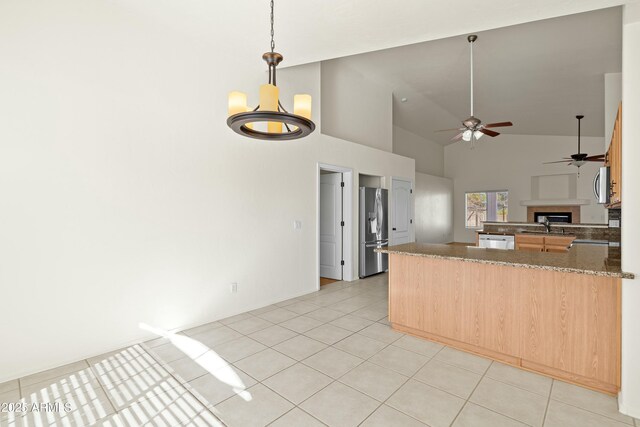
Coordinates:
(560, 217)
(568, 214)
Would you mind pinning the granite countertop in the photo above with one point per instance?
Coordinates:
(583, 259)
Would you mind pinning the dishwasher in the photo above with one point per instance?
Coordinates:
(495, 241)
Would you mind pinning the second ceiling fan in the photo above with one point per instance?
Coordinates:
(580, 158)
(472, 128)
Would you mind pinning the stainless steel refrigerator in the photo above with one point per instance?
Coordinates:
(373, 230)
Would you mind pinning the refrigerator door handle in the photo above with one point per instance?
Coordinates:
(376, 245)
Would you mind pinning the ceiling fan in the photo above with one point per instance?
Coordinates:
(472, 128)
(579, 158)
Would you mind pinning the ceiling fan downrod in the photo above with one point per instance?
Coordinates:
(579, 117)
(471, 39)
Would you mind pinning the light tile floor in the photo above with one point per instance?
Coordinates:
(326, 358)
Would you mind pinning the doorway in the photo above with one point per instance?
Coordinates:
(334, 224)
(402, 217)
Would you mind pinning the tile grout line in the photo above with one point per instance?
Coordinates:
(102, 387)
(471, 394)
(402, 385)
(184, 385)
(294, 404)
(291, 410)
(129, 405)
(594, 413)
(408, 379)
(483, 375)
(468, 400)
(396, 390)
(358, 291)
(333, 380)
(546, 409)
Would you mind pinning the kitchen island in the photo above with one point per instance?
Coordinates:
(556, 314)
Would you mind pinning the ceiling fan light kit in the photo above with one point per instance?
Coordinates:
(280, 124)
(473, 129)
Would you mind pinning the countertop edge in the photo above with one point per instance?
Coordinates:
(621, 275)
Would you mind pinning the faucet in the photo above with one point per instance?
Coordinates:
(546, 223)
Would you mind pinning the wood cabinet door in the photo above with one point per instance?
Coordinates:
(531, 247)
(571, 323)
(557, 243)
(468, 302)
(614, 161)
(556, 248)
(525, 242)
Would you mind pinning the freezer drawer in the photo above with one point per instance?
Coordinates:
(372, 262)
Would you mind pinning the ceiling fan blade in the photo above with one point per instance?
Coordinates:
(489, 132)
(595, 158)
(559, 161)
(447, 130)
(457, 137)
(497, 125)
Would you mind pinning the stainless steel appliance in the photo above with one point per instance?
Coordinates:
(373, 230)
(494, 241)
(601, 185)
(590, 242)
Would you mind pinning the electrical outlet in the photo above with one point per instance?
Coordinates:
(614, 223)
(234, 288)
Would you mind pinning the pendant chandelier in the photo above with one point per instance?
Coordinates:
(269, 120)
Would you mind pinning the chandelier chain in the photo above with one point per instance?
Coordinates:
(273, 43)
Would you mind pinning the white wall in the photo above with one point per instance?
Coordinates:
(370, 181)
(355, 108)
(124, 196)
(433, 197)
(630, 397)
(508, 162)
(429, 155)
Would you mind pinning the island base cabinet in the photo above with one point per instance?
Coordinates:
(572, 325)
(564, 325)
(463, 301)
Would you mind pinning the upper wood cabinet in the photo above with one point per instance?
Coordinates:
(613, 159)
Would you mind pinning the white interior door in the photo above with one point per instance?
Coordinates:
(331, 224)
(400, 228)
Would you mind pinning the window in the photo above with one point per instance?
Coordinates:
(486, 206)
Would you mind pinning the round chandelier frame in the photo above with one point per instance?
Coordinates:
(296, 125)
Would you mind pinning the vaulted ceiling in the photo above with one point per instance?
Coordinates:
(513, 63)
(538, 75)
(309, 31)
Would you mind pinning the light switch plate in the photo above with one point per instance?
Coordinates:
(297, 224)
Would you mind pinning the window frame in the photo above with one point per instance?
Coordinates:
(466, 193)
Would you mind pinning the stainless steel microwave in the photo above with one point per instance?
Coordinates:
(602, 185)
